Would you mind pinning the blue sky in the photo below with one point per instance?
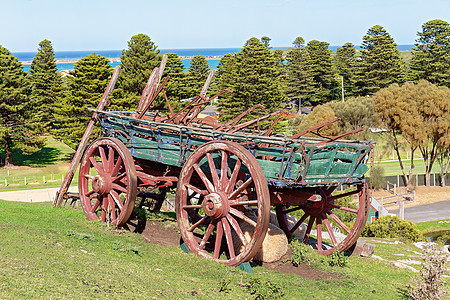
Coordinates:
(109, 24)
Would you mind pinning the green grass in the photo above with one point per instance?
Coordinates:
(50, 163)
(433, 226)
(56, 253)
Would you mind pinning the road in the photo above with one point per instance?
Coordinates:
(427, 212)
(37, 195)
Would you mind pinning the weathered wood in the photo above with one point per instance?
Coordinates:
(85, 139)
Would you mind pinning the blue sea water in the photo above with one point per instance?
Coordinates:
(213, 55)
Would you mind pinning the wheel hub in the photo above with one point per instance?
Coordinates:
(101, 184)
(216, 205)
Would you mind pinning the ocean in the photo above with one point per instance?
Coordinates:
(213, 55)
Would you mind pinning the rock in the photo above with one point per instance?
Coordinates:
(274, 246)
(299, 233)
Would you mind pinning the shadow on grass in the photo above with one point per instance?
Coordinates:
(403, 293)
(42, 158)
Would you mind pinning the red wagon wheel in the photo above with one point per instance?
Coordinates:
(108, 182)
(330, 219)
(222, 203)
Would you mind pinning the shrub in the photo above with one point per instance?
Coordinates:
(429, 284)
(376, 177)
(393, 227)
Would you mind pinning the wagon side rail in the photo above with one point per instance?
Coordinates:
(286, 162)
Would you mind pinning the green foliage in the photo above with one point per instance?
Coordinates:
(254, 78)
(303, 253)
(320, 114)
(355, 113)
(298, 84)
(80, 236)
(393, 227)
(344, 64)
(196, 77)
(19, 127)
(377, 177)
(380, 64)
(46, 83)
(321, 71)
(85, 89)
(264, 289)
(431, 57)
(138, 62)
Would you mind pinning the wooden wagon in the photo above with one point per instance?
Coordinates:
(226, 178)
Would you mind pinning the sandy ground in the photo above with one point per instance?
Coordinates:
(422, 195)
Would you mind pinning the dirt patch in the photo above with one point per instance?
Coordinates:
(166, 234)
(423, 195)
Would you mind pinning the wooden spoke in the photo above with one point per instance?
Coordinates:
(97, 167)
(207, 234)
(249, 203)
(205, 180)
(96, 205)
(329, 229)
(308, 229)
(196, 190)
(223, 170)
(110, 164)
(103, 158)
(218, 242)
(240, 189)
(319, 233)
(227, 230)
(241, 216)
(234, 175)
(116, 198)
(343, 208)
(213, 170)
(237, 229)
(190, 229)
(337, 220)
(297, 225)
(192, 206)
(118, 187)
(116, 168)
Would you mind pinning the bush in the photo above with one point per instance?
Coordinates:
(393, 227)
(430, 284)
(376, 177)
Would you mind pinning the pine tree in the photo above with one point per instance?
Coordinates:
(321, 71)
(19, 129)
(137, 63)
(254, 78)
(175, 88)
(380, 64)
(431, 56)
(46, 83)
(298, 83)
(85, 89)
(197, 74)
(344, 64)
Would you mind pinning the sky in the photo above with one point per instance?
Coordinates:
(175, 24)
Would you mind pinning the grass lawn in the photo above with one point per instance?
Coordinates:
(47, 252)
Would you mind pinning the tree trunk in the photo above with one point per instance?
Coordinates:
(8, 156)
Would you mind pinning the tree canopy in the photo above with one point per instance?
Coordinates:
(431, 56)
(89, 80)
(19, 128)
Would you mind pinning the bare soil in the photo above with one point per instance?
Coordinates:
(165, 234)
(423, 195)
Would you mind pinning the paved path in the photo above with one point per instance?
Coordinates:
(38, 195)
(427, 212)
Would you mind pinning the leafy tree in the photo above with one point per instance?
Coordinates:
(197, 74)
(380, 64)
(46, 83)
(138, 62)
(224, 78)
(88, 82)
(420, 113)
(431, 56)
(254, 78)
(321, 70)
(344, 63)
(357, 112)
(298, 77)
(320, 114)
(266, 41)
(19, 129)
